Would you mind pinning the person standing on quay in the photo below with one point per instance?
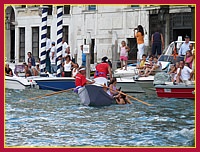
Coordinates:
(31, 59)
(83, 56)
(140, 41)
(64, 54)
(157, 43)
(53, 58)
(64, 49)
(124, 54)
(67, 64)
(48, 48)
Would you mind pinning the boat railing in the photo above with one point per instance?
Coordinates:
(156, 71)
(128, 61)
(187, 82)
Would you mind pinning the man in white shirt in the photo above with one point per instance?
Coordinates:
(52, 56)
(64, 48)
(184, 73)
(185, 46)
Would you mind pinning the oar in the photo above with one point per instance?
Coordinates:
(129, 96)
(135, 98)
(125, 94)
(50, 94)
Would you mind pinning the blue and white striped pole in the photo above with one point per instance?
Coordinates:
(43, 39)
(59, 38)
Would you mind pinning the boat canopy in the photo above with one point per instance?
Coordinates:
(170, 48)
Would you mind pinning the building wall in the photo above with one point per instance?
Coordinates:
(101, 23)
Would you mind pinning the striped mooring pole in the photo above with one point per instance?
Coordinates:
(59, 38)
(43, 39)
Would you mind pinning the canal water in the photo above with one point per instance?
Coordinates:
(59, 120)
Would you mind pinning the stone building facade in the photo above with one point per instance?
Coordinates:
(108, 25)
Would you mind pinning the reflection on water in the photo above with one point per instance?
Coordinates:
(60, 120)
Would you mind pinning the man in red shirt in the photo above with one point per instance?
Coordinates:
(81, 80)
(102, 70)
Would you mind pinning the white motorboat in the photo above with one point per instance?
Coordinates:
(128, 85)
(125, 73)
(132, 70)
(170, 48)
(16, 82)
(146, 83)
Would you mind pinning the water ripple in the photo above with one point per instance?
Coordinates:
(60, 120)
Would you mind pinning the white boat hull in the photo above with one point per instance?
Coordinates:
(128, 85)
(146, 83)
(125, 73)
(17, 82)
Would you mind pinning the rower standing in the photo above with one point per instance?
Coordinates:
(80, 80)
(102, 70)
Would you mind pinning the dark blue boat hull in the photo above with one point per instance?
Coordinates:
(55, 84)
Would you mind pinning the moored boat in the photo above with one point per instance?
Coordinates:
(93, 95)
(182, 90)
(55, 83)
(125, 73)
(16, 82)
(129, 85)
(146, 83)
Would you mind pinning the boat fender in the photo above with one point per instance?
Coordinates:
(136, 77)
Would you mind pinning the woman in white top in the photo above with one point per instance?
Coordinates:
(68, 66)
(75, 70)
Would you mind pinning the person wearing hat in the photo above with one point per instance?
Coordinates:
(52, 56)
(80, 79)
(102, 70)
(184, 47)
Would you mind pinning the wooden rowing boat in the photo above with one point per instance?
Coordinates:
(93, 95)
